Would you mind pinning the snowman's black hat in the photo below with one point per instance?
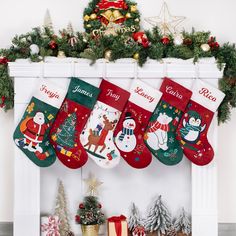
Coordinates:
(128, 116)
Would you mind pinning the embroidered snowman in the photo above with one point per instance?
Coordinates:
(125, 139)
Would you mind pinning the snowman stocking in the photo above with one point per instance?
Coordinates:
(97, 136)
(32, 133)
(193, 127)
(131, 127)
(70, 121)
(160, 136)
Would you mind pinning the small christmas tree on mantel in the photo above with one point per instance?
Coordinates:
(89, 214)
(158, 218)
(183, 224)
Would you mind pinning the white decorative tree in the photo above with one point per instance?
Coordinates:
(183, 223)
(48, 21)
(134, 218)
(70, 29)
(61, 210)
(158, 218)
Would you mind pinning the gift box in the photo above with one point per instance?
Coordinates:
(117, 226)
(50, 226)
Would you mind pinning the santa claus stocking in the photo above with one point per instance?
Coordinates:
(97, 136)
(70, 121)
(32, 133)
(194, 125)
(131, 127)
(161, 133)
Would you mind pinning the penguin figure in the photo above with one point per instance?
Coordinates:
(192, 128)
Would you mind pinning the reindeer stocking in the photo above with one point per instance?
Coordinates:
(97, 136)
(70, 121)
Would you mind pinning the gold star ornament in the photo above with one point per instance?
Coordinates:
(92, 185)
(166, 22)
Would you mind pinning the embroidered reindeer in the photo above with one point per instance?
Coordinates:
(99, 140)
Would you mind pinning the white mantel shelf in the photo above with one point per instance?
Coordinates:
(27, 175)
(174, 68)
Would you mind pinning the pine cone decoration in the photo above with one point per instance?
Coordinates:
(70, 233)
(171, 232)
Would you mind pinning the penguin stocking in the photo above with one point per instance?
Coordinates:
(160, 136)
(131, 127)
(194, 125)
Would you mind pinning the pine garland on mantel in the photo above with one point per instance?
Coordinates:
(155, 46)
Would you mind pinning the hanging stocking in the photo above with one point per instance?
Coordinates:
(70, 121)
(194, 125)
(97, 136)
(129, 131)
(31, 135)
(161, 133)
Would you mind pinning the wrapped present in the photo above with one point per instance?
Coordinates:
(117, 226)
(50, 226)
(139, 231)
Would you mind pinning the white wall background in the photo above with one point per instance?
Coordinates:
(218, 16)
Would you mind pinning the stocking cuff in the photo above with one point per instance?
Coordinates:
(83, 93)
(49, 93)
(207, 95)
(113, 95)
(175, 94)
(144, 95)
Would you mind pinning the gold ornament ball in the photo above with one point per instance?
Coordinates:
(136, 56)
(86, 18)
(133, 8)
(128, 15)
(205, 47)
(108, 55)
(93, 16)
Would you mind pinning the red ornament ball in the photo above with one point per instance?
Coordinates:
(96, 10)
(53, 44)
(99, 206)
(3, 102)
(3, 61)
(165, 40)
(81, 206)
(77, 218)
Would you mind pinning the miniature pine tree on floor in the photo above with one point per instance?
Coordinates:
(158, 218)
(182, 223)
(134, 218)
(61, 210)
(89, 212)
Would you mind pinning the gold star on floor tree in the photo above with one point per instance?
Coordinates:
(92, 185)
(166, 22)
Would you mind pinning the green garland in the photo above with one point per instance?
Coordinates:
(85, 45)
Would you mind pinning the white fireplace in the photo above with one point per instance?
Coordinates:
(184, 185)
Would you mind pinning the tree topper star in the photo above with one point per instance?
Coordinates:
(165, 21)
(92, 185)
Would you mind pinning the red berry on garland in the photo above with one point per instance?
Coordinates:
(188, 41)
(77, 218)
(81, 206)
(96, 10)
(165, 40)
(3, 61)
(53, 44)
(99, 206)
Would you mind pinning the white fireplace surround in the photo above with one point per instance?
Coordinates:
(27, 180)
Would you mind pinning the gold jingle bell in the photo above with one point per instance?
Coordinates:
(112, 16)
(61, 54)
(136, 56)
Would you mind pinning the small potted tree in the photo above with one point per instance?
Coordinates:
(89, 214)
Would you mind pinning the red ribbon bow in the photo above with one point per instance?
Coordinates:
(117, 220)
(106, 4)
